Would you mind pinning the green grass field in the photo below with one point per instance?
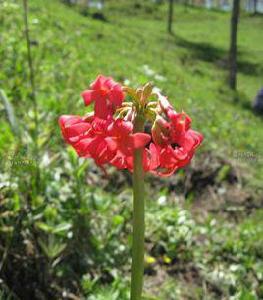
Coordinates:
(204, 239)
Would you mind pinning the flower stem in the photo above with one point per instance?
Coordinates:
(138, 221)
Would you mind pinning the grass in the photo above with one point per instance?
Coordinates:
(69, 49)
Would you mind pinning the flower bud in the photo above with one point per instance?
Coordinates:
(165, 104)
(130, 91)
(147, 90)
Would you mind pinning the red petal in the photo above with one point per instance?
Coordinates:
(68, 119)
(98, 83)
(101, 109)
(180, 154)
(120, 128)
(78, 129)
(119, 161)
(116, 96)
(102, 154)
(109, 83)
(154, 159)
(129, 161)
(65, 122)
(138, 140)
(166, 173)
(82, 147)
(88, 96)
(111, 143)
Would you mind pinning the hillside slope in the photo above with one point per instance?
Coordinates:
(70, 236)
(70, 49)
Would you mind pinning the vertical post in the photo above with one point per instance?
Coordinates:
(255, 6)
(170, 16)
(233, 45)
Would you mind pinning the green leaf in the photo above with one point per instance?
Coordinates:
(62, 227)
(9, 112)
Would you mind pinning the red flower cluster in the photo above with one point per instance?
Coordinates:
(111, 140)
(174, 140)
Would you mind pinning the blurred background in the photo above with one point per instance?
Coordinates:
(65, 227)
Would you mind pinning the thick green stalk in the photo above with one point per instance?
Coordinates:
(138, 221)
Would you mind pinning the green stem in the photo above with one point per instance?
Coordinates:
(138, 221)
(33, 96)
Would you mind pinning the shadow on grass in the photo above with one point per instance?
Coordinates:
(209, 53)
(242, 100)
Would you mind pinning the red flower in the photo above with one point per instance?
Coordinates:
(87, 136)
(107, 95)
(94, 145)
(173, 157)
(123, 141)
(175, 141)
(110, 140)
(106, 141)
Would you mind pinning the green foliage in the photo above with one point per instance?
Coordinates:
(70, 237)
